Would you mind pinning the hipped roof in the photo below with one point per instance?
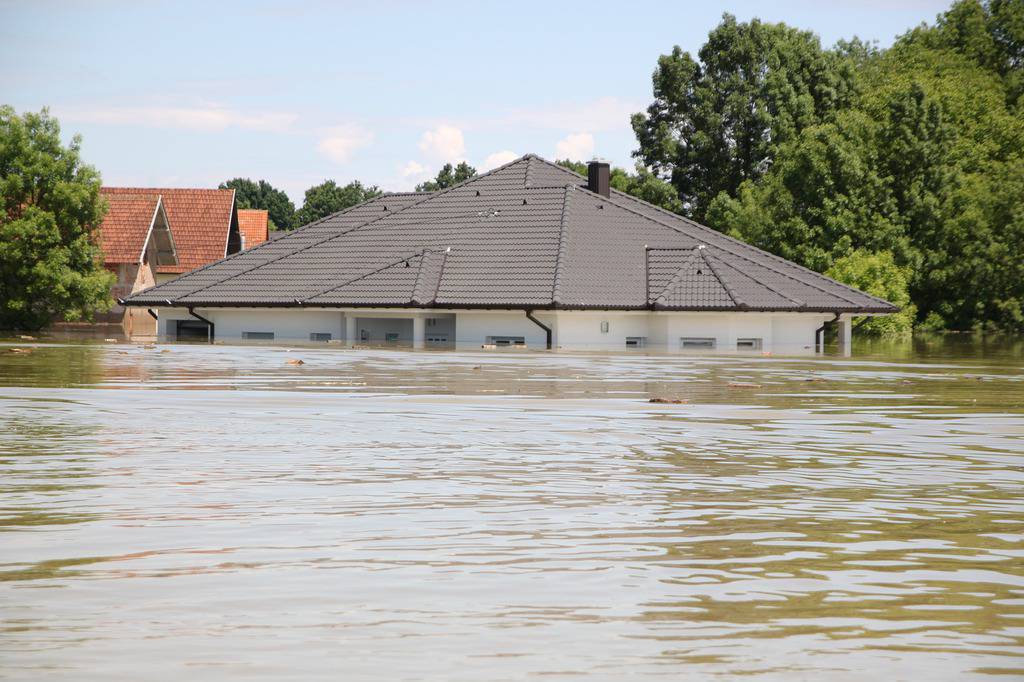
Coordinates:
(525, 235)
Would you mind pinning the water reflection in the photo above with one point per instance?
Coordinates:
(500, 515)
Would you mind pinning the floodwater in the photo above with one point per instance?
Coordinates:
(215, 513)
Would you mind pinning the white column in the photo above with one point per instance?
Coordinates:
(350, 329)
(419, 331)
(845, 335)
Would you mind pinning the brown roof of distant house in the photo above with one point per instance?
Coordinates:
(126, 225)
(525, 235)
(200, 222)
(253, 224)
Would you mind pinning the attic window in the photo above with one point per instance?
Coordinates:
(700, 272)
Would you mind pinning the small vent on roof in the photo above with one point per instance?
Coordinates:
(524, 202)
(406, 263)
(385, 208)
(478, 192)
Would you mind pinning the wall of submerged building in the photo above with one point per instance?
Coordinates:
(628, 331)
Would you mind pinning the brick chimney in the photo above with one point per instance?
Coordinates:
(598, 178)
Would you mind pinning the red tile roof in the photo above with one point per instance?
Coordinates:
(124, 229)
(200, 221)
(252, 222)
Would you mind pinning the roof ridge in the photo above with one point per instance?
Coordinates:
(769, 287)
(268, 243)
(728, 238)
(419, 283)
(427, 197)
(676, 278)
(738, 255)
(556, 285)
(739, 302)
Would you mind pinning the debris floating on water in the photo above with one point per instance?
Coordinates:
(22, 350)
(669, 401)
(743, 384)
(110, 340)
(296, 361)
(26, 337)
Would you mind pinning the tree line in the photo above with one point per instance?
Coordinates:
(899, 171)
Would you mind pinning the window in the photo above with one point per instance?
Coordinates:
(320, 336)
(431, 321)
(697, 343)
(636, 341)
(748, 344)
(604, 327)
(391, 337)
(506, 340)
(258, 336)
(437, 338)
(191, 330)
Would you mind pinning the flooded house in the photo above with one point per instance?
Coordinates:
(204, 224)
(529, 255)
(136, 241)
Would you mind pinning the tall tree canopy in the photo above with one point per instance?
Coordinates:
(50, 206)
(448, 176)
(643, 184)
(250, 194)
(717, 120)
(912, 167)
(326, 198)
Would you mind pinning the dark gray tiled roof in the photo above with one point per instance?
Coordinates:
(525, 235)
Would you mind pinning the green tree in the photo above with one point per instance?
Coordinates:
(643, 184)
(250, 194)
(879, 275)
(717, 122)
(326, 198)
(922, 166)
(448, 176)
(989, 33)
(50, 207)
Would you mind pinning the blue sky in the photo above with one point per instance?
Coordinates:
(193, 93)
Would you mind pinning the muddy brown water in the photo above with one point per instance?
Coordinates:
(217, 513)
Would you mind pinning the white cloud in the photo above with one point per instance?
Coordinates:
(338, 143)
(577, 147)
(210, 118)
(443, 143)
(412, 169)
(498, 159)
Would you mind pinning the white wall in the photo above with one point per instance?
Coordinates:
(472, 328)
(286, 325)
(781, 333)
(582, 330)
